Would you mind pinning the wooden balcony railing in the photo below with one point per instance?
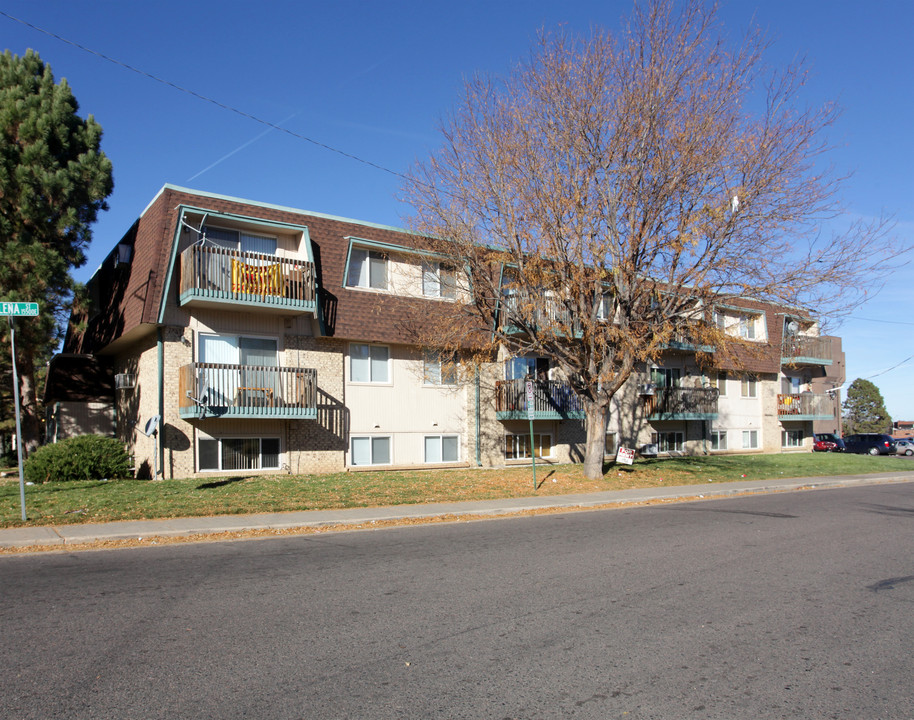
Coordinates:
(551, 400)
(216, 273)
(806, 406)
(219, 389)
(682, 403)
(806, 350)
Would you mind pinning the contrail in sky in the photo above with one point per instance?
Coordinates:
(240, 148)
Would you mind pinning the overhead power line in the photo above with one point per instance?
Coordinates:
(205, 98)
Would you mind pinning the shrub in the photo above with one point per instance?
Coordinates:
(87, 457)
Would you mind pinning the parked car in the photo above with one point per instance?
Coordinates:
(870, 443)
(827, 442)
(904, 446)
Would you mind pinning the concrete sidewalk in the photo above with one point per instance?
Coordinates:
(67, 535)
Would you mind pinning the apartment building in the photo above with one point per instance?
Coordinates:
(245, 336)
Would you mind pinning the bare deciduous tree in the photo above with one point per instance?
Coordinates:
(609, 192)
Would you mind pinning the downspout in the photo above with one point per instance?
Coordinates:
(160, 347)
(478, 448)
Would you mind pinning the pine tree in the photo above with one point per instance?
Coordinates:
(53, 182)
(864, 409)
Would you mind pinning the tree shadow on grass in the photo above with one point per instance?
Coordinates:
(222, 483)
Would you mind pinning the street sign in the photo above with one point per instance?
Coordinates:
(19, 309)
(531, 410)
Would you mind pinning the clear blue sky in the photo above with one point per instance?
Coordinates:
(371, 79)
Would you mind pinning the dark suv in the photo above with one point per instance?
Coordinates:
(871, 443)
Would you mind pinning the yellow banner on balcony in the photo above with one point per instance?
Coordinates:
(256, 280)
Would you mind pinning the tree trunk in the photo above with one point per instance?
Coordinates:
(28, 404)
(595, 418)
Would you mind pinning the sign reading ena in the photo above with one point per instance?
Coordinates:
(626, 456)
(26, 309)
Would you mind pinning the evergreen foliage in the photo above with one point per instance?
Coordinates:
(87, 457)
(864, 409)
(53, 182)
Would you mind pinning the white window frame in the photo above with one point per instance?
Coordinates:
(371, 450)
(366, 259)
(437, 372)
(439, 280)
(748, 387)
(662, 440)
(716, 437)
(440, 441)
(750, 440)
(792, 439)
(747, 328)
(371, 364)
(522, 441)
(241, 235)
(718, 380)
(220, 455)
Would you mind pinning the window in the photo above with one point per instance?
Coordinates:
(239, 369)
(238, 454)
(609, 444)
(750, 439)
(369, 363)
(668, 441)
(520, 368)
(792, 439)
(442, 448)
(439, 280)
(747, 326)
(367, 269)
(437, 372)
(718, 380)
(517, 447)
(665, 377)
(370, 451)
(718, 439)
(237, 240)
(719, 319)
(605, 307)
(748, 387)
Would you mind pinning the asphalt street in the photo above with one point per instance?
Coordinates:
(776, 606)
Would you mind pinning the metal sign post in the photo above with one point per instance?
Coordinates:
(530, 413)
(13, 310)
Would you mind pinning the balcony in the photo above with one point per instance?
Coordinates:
(805, 407)
(806, 350)
(551, 401)
(682, 403)
(247, 391)
(213, 276)
(683, 343)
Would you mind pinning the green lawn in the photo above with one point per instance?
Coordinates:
(80, 502)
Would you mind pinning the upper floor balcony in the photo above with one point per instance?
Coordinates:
(247, 391)
(806, 350)
(680, 342)
(552, 400)
(682, 403)
(214, 276)
(805, 406)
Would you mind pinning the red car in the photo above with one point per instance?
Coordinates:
(827, 442)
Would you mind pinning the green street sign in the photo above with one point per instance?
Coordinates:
(20, 309)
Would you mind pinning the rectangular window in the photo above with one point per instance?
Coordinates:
(367, 269)
(792, 439)
(517, 447)
(609, 444)
(237, 240)
(665, 377)
(521, 368)
(605, 307)
(439, 280)
(748, 387)
(719, 319)
(238, 454)
(438, 372)
(718, 380)
(442, 448)
(369, 363)
(747, 327)
(750, 439)
(670, 441)
(718, 439)
(373, 450)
